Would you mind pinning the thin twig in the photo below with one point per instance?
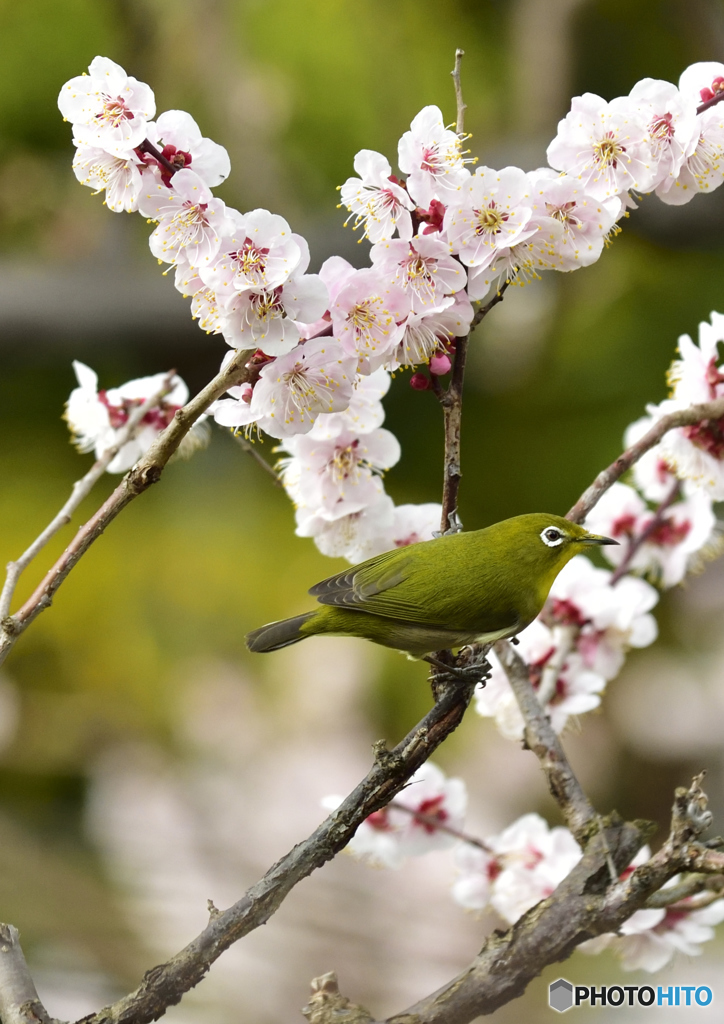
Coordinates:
(19, 1001)
(244, 443)
(146, 472)
(432, 822)
(81, 489)
(636, 543)
(540, 737)
(716, 98)
(164, 985)
(682, 418)
(461, 106)
(690, 885)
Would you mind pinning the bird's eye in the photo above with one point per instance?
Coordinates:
(552, 537)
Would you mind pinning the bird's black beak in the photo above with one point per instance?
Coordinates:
(592, 538)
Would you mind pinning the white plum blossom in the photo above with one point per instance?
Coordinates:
(649, 939)
(586, 221)
(409, 825)
(364, 412)
(605, 146)
(260, 254)
(179, 139)
(490, 212)
(356, 536)
(422, 267)
(377, 199)
(415, 523)
(269, 319)
(204, 301)
(703, 167)
(431, 155)
(652, 474)
(95, 417)
(191, 221)
(520, 867)
(681, 531)
(426, 334)
(292, 390)
(672, 128)
(340, 476)
(107, 108)
(118, 176)
(540, 250)
(368, 317)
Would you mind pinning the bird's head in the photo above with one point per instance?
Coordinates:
(546, 542)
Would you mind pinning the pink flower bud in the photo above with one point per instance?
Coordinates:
(420, 382)
(440, 364)
(706, 95)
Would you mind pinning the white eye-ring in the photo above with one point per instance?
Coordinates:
(552, 536)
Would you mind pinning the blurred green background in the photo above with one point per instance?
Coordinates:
(154, 617)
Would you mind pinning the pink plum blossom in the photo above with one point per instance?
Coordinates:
(426, 334)
(391, 835)
(606, 146)
(364, 412)
(431, 155)
(490, 212)
(190, 221)
(672, 129)
(179, 139)
(368, 317)
(356, 536)
(415, 523)
(377, 199)
(107, 108)
(268, 319)
(292, 390)
(586, 221)
(422, 267)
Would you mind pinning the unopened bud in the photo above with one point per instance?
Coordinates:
(440, 364)
(420, 382)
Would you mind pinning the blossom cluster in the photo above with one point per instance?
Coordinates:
(442, 237)
(514, 870)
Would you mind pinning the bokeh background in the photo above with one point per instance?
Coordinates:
(148, 762)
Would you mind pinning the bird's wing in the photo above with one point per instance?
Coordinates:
(371, 586)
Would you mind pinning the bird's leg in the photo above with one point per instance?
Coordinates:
(455, 525)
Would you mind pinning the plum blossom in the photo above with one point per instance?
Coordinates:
(490, 212)
(652, 474)
(377, 199)
(422, 267)
(409, 825)
(606, 146)
(190, 221)
(415, 523)
(431, 155)
(368, 317)
(672, 129)
(179, 139)
(292, 390)
(95, 417)
(118, 176)
(107, 108)
(586, 221)
(522, 262)
(260, 254)
(649, 939)
(364, 412)
(356, 536)
(268, 319)
(672, 538)
(703, 166)
(428, 334)
(340, 476)
(520, 867)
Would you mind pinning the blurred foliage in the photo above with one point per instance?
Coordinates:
(294, 88)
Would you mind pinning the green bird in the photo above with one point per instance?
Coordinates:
(461, 588)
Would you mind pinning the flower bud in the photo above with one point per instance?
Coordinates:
(420, 382)
(440, 364)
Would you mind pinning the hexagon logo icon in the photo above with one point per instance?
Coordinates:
(560, 995)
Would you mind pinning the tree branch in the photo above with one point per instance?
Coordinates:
(146, 472)
(461, 106)
(19, 1001)
(163, 986)
(81, 489)
(681, 418)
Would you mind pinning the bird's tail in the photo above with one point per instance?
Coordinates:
(278, 634)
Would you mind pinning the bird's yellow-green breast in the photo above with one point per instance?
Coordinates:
(482, 585)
